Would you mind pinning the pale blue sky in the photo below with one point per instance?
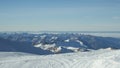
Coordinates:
(60, 15)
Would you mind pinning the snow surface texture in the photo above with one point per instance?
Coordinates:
(94, 59)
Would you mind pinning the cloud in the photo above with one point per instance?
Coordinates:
(116, 17)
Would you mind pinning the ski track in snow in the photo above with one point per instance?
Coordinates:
(99, 59)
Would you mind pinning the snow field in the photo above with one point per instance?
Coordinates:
(94, 59)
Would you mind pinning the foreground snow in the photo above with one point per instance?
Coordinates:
(94, 59)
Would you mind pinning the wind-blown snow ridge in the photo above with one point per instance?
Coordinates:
(94, 59)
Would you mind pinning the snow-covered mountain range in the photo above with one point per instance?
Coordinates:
(50, 43)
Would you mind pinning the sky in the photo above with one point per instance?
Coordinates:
(59, 15)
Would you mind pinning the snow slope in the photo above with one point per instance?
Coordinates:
(104, 58)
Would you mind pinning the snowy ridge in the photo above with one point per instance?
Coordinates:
(94, 59)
